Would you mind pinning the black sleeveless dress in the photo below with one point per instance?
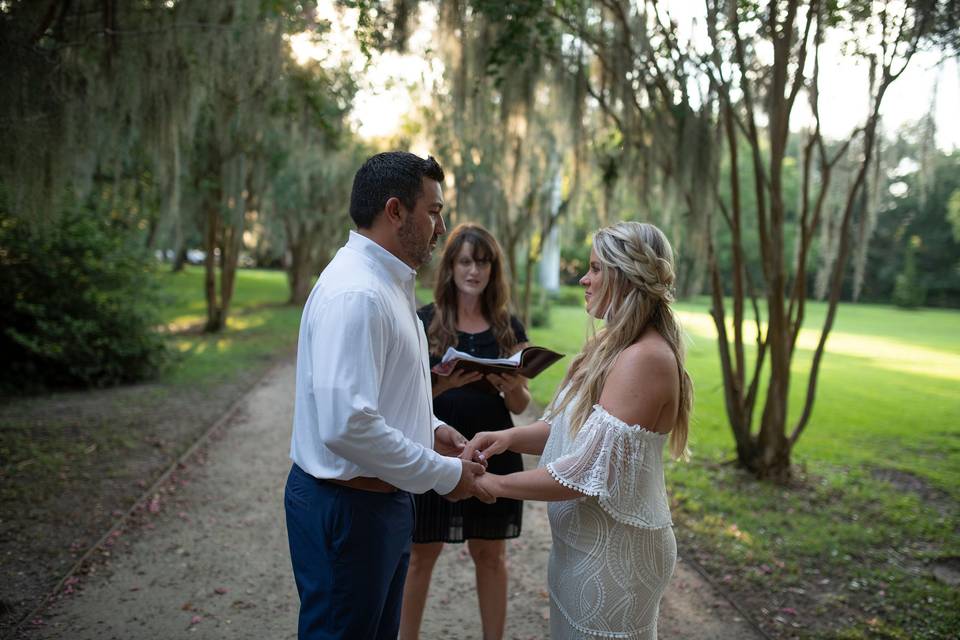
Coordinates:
(471, 411)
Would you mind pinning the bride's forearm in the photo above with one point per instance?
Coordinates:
(536, 484)
(530, 438)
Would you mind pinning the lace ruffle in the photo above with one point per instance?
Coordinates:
(620, 465)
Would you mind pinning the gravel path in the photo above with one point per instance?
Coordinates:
(208, 557)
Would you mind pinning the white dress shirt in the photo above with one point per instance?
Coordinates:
(363, 396)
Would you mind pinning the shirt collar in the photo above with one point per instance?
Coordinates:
(397, 268)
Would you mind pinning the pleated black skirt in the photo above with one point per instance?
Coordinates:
(439, 520)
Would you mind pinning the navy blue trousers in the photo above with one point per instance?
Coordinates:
(350, 550)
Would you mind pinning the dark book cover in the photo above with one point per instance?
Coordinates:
(533, 360)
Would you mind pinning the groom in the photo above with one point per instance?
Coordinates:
(364, 433)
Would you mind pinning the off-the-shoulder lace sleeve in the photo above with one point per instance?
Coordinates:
(621, 465)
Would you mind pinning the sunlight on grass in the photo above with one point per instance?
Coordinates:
(181, 323)
(733, 531)
(184, 345)
(883, 353)
(243, 323)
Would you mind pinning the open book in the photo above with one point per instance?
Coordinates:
(529, 363)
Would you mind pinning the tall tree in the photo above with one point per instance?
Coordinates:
(103, 91)
(241, 73)
(313, 155)
(677, 105)
(508, 135)
(752, 90)
(93, 91)
(644, 84)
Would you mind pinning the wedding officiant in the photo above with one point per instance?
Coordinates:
(470, 313)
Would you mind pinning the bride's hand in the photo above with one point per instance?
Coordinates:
(489, 483)
(487, 444)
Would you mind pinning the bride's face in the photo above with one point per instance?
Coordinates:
(591, 282)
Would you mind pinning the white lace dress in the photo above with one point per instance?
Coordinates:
(613, 550)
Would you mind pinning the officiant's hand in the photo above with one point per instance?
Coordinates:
(507, 382)
(454, 381)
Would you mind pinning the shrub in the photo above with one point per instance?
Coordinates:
(539, 308)
(568, 296)
(908, 289)
(78, 304)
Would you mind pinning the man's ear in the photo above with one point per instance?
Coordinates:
(393, 212)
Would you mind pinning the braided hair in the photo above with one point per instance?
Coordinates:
(635, 293)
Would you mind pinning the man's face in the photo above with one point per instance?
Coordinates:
(423, 225)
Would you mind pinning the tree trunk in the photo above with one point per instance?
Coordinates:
(232, 241)
(179, 260)
(212, 232)
(527, 290)
(300, 271)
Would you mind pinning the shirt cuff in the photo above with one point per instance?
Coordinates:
(449, 475)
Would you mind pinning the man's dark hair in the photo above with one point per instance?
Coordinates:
(394, 174)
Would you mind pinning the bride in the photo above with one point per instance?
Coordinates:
(600, 442)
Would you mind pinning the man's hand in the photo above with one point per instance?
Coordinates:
(468, 486)
(448, 441)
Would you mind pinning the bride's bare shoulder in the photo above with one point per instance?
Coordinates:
(642, 383)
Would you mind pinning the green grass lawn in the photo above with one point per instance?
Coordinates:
(261, 326)
(848, 551)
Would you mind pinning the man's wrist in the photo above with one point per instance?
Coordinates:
(453, 471)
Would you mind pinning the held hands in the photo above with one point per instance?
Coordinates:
(449, 442)
(486, 444)
(490, 484)
(469, 485)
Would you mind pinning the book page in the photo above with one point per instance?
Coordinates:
(453, 354)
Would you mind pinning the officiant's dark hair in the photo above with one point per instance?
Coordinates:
(393, 174)
(494, 302)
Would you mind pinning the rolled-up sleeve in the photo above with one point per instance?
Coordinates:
(350, 341)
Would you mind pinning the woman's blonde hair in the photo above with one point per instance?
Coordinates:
(635, 293)
(494, 303)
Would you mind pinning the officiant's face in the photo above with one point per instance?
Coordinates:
(591, 281)
(471, 274)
